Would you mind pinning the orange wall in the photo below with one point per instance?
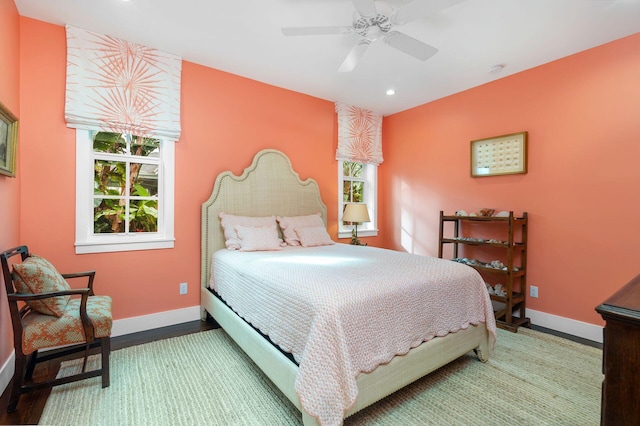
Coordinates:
(582, 190)
(9, 187)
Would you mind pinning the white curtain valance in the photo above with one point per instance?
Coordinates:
(359, 134)
(117, 86)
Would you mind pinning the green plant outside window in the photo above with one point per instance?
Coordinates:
(125, 183)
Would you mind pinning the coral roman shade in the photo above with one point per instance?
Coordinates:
(117, 86)
(359, 135)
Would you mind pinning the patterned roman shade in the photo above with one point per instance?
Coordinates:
(117, 86)
(359, 135)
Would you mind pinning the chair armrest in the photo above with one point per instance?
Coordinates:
(90, 274)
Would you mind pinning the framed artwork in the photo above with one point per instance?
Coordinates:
(500, 155)
(8, 141)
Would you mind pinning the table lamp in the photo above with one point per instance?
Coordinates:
(356, 213)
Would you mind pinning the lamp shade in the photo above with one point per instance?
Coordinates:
(356, 213)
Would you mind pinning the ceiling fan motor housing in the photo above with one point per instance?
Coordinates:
(373, 27)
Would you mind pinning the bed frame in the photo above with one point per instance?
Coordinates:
(270, 186)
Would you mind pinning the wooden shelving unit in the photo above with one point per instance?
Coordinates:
(509, 270)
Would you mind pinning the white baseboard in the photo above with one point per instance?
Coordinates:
(566, 325)
(179, 316)
(151, 321)
(6, 373)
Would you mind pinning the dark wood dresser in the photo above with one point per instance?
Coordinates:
(621, 356)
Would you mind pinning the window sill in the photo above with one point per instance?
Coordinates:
(361, 233)
(109, 247)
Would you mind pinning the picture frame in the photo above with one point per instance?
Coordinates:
(499, 155)
(8, 141)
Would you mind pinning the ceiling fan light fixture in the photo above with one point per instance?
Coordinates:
(373, 33)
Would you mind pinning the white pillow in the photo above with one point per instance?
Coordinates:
(258, 238)
(229, 223)
(289, 225)
(314, 236)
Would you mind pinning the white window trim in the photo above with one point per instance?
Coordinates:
(369, 229)
(86, 240)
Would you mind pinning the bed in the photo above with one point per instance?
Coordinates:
(270, 186)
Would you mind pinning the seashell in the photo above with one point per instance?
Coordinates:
(497, 264)
(461, 213)
(473, 214)
(502, 214)
(487, 212)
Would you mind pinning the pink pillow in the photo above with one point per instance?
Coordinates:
(229, 223)
(289, 225)
(262, 238)
(37, 275)
(314, 236)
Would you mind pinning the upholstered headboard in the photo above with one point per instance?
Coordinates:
(269, 186)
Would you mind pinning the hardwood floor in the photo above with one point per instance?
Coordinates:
(32, 404)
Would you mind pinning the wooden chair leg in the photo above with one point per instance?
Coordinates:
(31, 365)
(86, 357)
(18, 380)
(106, 352)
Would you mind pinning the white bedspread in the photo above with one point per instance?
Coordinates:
(342, 309)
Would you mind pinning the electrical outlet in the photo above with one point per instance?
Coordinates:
(183, 288)
(533, 291)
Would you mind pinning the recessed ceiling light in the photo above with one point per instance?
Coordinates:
(391, 92)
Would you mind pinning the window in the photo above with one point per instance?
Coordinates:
(124, 192)
(358, 183)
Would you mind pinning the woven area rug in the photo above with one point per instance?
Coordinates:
(532, 378)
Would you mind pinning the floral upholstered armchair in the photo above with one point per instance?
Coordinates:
(46, 313)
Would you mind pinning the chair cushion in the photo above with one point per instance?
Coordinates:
(46, 331)
(37, 275)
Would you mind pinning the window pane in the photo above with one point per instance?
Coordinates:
(358, 169)
(352, 169)
(144, 216)
(145, 147)
(108, 216)
(346, 169)
(113, 143)
(358, 188)
(109, 177)
(346, 191)
(144, 180)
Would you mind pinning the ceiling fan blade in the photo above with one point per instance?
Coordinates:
(418, 9)
(302, 31)
(410, 45)
(354, 56)
(365, 7)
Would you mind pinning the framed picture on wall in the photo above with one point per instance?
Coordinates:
(8, 141)
(499, 155)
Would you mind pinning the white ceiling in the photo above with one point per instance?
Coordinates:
(243, 37)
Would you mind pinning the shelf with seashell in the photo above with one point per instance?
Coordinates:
(501, 239)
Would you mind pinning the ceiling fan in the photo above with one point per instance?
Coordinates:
(375, 20)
